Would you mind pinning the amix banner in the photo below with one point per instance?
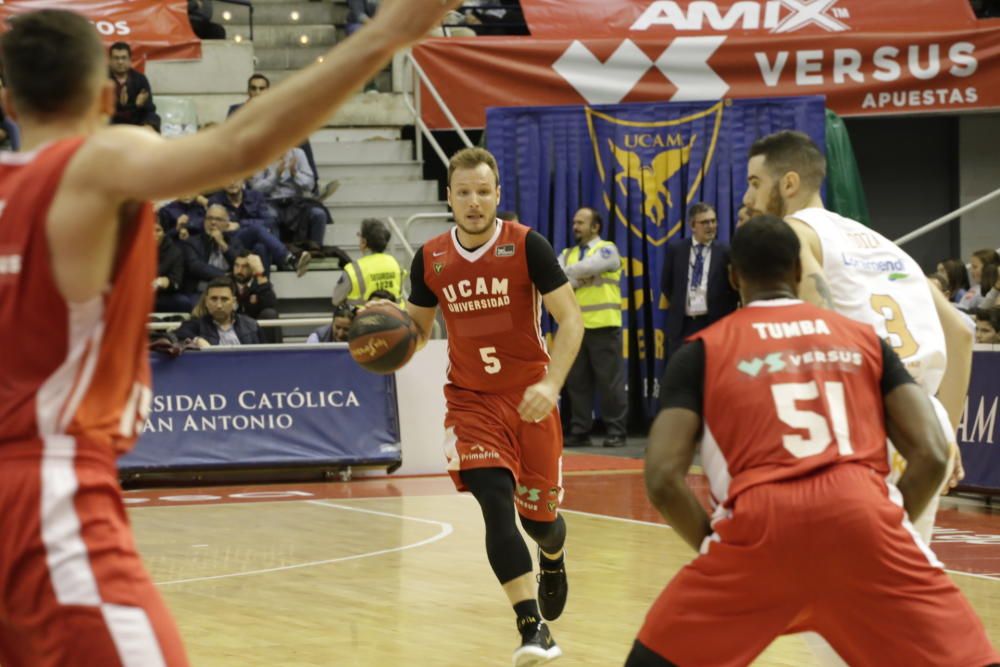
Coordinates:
(865, 56)
(252, 407)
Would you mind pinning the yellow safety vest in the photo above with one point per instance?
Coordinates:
(377, 271)
(601, 300)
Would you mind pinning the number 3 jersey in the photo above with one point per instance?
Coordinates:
(873, 281)
(785, 389)
(491, 301)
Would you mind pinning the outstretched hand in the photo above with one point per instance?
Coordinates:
(538, 401)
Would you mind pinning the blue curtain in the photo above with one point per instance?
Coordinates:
(640, 166)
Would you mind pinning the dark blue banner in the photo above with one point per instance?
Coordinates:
(641, 166)
(253, 407)
(977, 433)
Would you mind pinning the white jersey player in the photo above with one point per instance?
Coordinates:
(859, 273)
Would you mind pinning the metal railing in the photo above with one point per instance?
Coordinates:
(944, 219)
(415, 105)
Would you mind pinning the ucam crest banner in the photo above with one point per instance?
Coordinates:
(978, 437)
(155, 29)
(252, 407)
(640, 166)
(865, 56)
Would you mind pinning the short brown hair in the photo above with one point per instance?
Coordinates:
(50, 58)
(698, 208)
(470, 158)
(789, 150)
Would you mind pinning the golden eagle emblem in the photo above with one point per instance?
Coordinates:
(652, 178)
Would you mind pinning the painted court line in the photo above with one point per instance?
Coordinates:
(988, 577)
(446, 529)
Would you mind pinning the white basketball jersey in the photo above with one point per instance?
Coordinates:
(872, 280)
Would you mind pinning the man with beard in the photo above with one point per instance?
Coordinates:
(594, 269)
(503, 437)
(856, 271)
(696, 278)
(219, 323)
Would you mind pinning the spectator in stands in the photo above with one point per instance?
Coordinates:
(360, 12)
(988, 326)
(940, 281)
(200, 16)
(509, 216)
(376, 270)
(494, 17)
(133, 94)
(209, 255)
(336, 331)
(182, 217)
(218, 323)
(287, 184)
(169, 274)
(990, 283)
(958, 278)
(974, 297)
(258, 84)
(246, 206)
(260, 241)
(255, 294)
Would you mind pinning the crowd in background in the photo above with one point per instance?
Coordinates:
(974, 288)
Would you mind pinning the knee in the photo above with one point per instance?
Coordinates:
(549, 535)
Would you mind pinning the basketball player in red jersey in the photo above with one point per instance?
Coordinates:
(77, 263)
(784, 398)
(504, 440)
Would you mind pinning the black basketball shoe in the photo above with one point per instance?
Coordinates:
(537, 645)
(552, 586)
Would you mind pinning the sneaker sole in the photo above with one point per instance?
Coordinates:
(303, 264)
(533, 655)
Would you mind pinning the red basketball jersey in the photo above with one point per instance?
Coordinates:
(79, 370)
(491, 308)
(789, 389)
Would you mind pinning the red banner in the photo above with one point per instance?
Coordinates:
(866, 56)
(618, 18)
(860, 73)
(155, 29)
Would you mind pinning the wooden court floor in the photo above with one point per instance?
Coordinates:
(392, 572)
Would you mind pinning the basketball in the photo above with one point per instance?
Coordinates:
(382, 338)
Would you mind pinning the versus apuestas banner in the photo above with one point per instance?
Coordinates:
(978, 436)
(155, 29)
(865, 56)
(255, 407)
(640, 166)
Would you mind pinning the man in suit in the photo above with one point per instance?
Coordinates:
(696, 278)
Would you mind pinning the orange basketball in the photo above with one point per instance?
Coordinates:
(382, 338)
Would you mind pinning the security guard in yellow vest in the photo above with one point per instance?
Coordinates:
(375, 271)
(594, 269)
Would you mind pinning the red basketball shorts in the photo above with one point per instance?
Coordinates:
(485, 431)
(830, 553)
(72, 588)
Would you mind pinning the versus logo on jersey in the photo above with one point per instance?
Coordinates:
(505, 250)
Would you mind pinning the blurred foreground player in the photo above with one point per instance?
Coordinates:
(503, 438)
(77, 261)
(806, 534)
